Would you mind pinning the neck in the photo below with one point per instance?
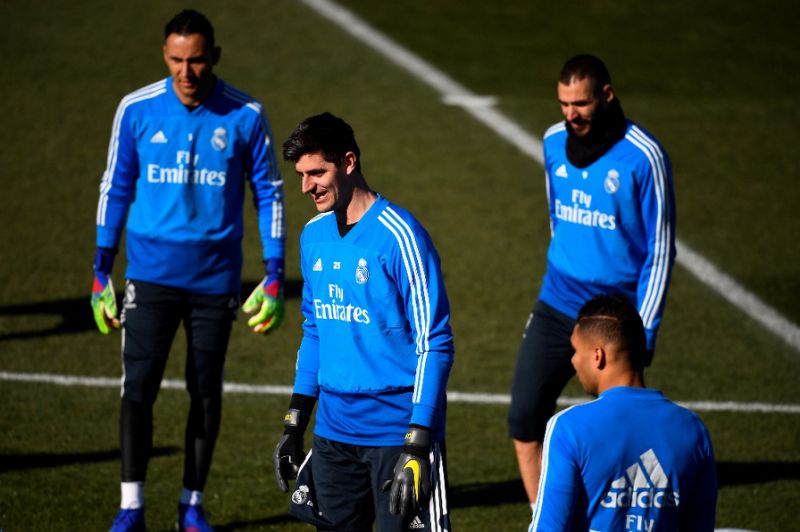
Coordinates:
(630, 378)
(361, 199)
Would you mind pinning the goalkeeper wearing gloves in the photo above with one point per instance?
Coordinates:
(375, 356)
(182, 152)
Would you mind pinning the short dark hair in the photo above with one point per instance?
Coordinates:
(190, 21)
(585, 66)
(615, 319)
(326, 134)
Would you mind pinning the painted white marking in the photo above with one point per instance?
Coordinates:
(530, 145)
(469, 101)
(736, 295)
(452, 397)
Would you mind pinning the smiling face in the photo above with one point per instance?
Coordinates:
(326, 183)
(579, 103)
(191, 66)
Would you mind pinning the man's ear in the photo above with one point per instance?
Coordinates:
(350, 160)
(608, 93)
(216, 53)
(600, 358)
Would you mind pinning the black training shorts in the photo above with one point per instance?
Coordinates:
(339, 487)
(150, 318)
(543, 369)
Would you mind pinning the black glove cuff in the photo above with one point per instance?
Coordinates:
(418, 441)
(299, 414)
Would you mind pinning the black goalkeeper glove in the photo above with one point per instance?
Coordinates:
(411, 485)
(289, 453)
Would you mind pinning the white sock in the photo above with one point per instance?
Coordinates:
(132, 495)
(191, 497)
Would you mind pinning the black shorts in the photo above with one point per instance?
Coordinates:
(150, 318)
(543, 369)
(339, 487)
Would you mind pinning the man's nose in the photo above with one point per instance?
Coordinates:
(306, 185)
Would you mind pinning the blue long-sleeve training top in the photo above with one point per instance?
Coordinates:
(175, 178)
(631, 460)
(612, 225)
(377, 346)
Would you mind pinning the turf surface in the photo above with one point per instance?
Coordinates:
(709, 80)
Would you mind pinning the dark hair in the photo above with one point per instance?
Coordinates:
(326, 134)
(585, 66)
(615, 319)
(190, 21)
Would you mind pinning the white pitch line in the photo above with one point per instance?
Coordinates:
(452, 397)
(505, 127)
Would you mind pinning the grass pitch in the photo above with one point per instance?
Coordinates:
(711, 81)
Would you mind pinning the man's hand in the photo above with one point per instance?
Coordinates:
(104, 301)
(266, 301)
(286, 459)
(411, 485)
(289, 455)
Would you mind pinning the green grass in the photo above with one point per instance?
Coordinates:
(712, 81)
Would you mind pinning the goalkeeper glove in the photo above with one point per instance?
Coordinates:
(289, 454)
(104, 301)
(411, 484)
(267, 299)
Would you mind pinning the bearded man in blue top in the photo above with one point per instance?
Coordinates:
(612, 221)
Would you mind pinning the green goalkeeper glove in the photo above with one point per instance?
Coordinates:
(411, 485)
(104, 301)
(266, 301)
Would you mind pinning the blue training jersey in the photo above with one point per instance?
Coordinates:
(630, 460)
(612, 226)
(377, 346)
(178, 176)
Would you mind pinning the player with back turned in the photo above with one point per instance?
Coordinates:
(375, 355)
(631, 459)
(181, 153)
(612, 220)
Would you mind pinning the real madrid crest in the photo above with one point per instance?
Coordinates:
(129, 301)
(362, 273)
(220, 139)
(300, 495)
(611, 184)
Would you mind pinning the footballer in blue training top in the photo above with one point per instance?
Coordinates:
(630, 460)
(182, 151)
(612, 219)
(376, 351)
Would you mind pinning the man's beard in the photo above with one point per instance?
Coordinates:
(607, 128)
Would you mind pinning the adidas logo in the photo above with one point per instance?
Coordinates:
(644, 485)
(159, 138)
(317, 266)
(416, 524)
(562, 171)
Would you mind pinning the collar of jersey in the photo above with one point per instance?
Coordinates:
(373, 211)
(630, 390)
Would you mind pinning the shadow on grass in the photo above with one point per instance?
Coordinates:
(16, 462)
(76, 314)
(728, 474)
(487, 494)
(738, 473)
(256, 523)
